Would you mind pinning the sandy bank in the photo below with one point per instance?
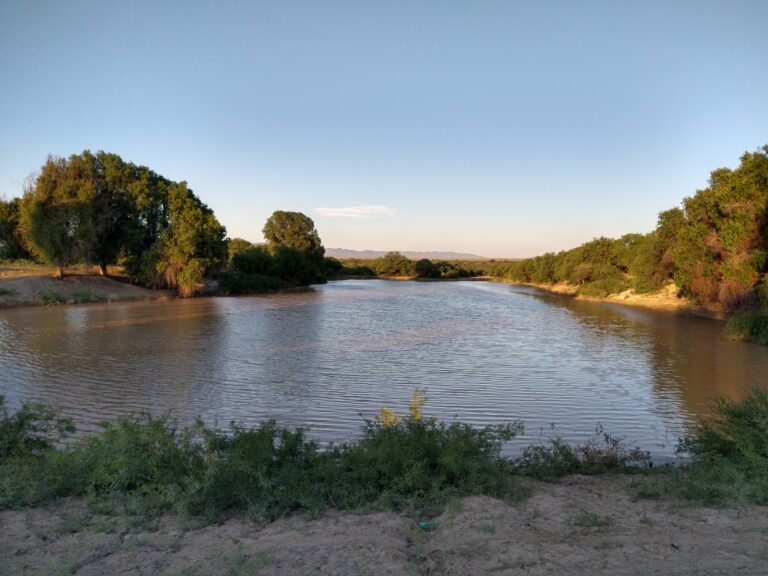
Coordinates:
(580, 525)
(666, 298)
(36, 287)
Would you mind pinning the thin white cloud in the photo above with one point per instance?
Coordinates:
(355, 212)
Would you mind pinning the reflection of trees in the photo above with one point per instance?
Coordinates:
(100, 361)
(692, 363)
(268, 358)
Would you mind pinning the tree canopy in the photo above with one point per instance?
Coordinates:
(97, 208)
(11, 243)
(714, 247)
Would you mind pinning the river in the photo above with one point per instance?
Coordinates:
(330, 356)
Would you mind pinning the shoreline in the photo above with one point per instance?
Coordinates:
(663, 299)
(22, 288)
(33, 288)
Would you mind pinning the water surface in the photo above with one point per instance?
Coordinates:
(332, 355)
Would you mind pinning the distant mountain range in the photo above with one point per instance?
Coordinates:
(370, 254)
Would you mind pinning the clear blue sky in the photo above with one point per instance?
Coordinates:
(500, 128)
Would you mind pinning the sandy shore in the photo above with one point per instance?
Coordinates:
(666, 298)
(580, 525)
(36, 286)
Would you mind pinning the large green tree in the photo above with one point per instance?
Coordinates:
(97, 208)
(720, 245)
(193, 243)
(56, 213)
(295, 231)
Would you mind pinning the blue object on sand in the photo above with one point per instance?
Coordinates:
(427, 525)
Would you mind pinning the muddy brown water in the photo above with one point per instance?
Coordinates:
(332, 355)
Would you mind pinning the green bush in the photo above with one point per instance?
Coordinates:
(601, 453)
(604, 287)
(31, 431)
(141, 453)
(750, 326)
(420, 464)
(738, 433)
(254, 260)
(729, 454)
(265, 471)
(51, 298)
(358, 271)
(151, 466)
(233, 284)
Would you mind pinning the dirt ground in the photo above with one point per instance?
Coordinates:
(36, 286)
(580, 525)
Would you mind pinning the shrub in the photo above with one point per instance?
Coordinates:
(599, 454)
(729, 456)
(233, 284)
(738, 433)
(751, 326)
(141, 453)
(266, 471)
(31, 431)
(417, 464)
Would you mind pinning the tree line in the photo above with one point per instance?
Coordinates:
(714, 247)
(395, 264)
(99, 209)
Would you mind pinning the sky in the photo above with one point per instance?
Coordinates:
(505, 129)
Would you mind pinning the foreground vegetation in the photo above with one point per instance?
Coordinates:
(148, 465)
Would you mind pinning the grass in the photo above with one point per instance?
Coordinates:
(600, 454)
(729, 453)
(590, 520)
(749, 326)
(84, 297)
(146, 466)
(51, 298)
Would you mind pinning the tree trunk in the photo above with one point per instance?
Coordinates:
(59, 271)
(102, 269)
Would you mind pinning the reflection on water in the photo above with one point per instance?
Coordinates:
(329, 356)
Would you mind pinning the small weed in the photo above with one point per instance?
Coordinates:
(454, 507)
(196, 570)
(143, 524)
(604, 545)
(521, 563)
(51, 298)
(104, 526)
(83, 297)
(71, 524)
(601, 453)
(486, 528)
(590, 520)
(134, 543)
(55, 568)
(245, 566)
(644, 519)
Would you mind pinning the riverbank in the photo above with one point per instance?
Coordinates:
(578, 525)
(36, 286)
(411, 496)
(666, 298)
